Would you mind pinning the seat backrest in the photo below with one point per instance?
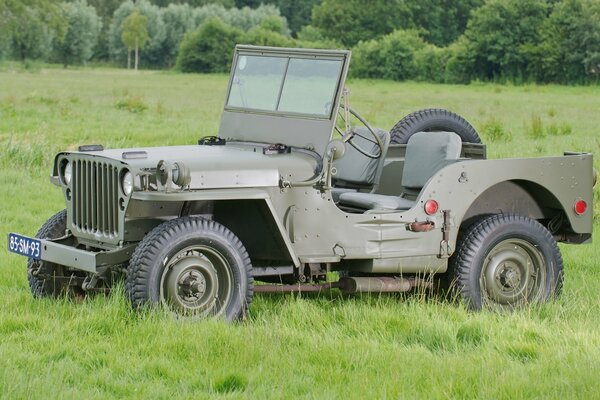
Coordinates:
(427, 153)
(354, 169)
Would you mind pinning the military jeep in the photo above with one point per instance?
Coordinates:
(297, 185)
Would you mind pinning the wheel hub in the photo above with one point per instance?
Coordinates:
(196, 281)
(510, 274)
(192, 284)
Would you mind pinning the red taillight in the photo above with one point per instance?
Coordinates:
(580, 207)
(431, 207)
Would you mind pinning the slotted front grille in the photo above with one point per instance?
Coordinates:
(95, 197)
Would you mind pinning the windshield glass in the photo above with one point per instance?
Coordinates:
(285, 85)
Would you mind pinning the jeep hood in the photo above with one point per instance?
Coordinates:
(231, 165)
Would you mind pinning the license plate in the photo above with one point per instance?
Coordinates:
(25, 246)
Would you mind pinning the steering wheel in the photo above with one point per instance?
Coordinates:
(350, 134)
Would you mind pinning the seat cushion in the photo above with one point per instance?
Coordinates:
(427, 153)
(355, 169)
(368, 201)
(336, 192)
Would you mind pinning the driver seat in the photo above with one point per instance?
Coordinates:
(426, 153)
(355, 171)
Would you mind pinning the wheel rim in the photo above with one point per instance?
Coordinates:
(513, 274)
(197, 281)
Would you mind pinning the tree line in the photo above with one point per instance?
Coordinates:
(519, 41)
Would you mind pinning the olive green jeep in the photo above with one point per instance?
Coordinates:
(289, 191)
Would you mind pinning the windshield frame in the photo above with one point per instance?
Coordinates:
(288, 57)
(308, 131)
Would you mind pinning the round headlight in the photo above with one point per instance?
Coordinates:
(127, 183)
(67, 173)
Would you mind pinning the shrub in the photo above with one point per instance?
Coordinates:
(430, 63)
(209, 49)
(390, 57)
(135, 105)
(495, 132)
(260, 36)
(536, 128)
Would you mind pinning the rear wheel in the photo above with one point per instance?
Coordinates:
(194, 267)
(430, 120)
(506, 261)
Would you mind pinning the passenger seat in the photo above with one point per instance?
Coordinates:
(426, 153)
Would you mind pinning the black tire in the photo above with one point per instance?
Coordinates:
(40, 274)
(506, 261)
(194, 267)
(433, 119)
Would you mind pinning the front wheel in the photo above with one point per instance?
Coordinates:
(506, 261)
(193, 267)
(47, 279)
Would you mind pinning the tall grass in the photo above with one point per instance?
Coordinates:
(291, 346)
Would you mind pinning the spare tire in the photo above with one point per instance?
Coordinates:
(433, 119)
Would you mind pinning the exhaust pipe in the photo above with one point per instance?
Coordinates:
(381, 284)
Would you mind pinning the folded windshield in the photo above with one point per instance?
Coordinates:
(285, 84)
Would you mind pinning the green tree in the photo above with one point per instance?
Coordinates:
(571, 42)
(135, 35)
(350, 21)
(105, 10)
(178, 20)
(154, 54)
(297, 13)
(270, 32)
(389, 57)
(442, 21)
(209, 49)
(82, 34)
(28, 27)
(501, 39)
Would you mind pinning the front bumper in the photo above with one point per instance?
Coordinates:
(60, 252)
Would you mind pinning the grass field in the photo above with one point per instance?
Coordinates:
(291, 347)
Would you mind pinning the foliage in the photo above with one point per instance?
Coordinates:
(260, 36)
(209, 49)
(134, 105)
(178, 20)
(442, 21)
(32, 36)
(153, 54)
(501, 37)
(392, 57)
(350, 21)
(241, 18)
(105, 10)
(193, 3)
(16, 16)
(570, 49)
(135, 30)
(297, 13)
(494, 131)
(82, 34)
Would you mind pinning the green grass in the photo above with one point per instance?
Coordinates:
(291, 347)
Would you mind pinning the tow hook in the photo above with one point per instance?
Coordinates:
(445, 249)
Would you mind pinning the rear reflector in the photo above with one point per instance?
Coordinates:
(580, 207)
(431, 207)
